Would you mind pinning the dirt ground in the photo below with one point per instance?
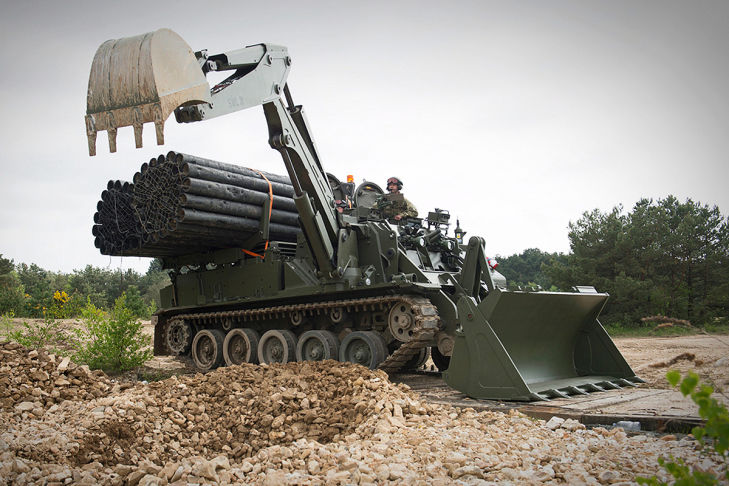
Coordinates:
(299, 423)
(314, 423)
(652, 357)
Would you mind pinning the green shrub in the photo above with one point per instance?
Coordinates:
(6, 324)
(43, 333)
(113, 343)
(712, 436)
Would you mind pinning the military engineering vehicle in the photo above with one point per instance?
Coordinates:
(353, 286)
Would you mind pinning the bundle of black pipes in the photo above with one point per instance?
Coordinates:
(182, 204)
(115, 224)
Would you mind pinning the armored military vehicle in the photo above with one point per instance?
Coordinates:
(352, 286)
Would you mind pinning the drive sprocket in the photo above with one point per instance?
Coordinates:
(178, 336)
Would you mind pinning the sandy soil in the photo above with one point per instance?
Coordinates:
(652, 357)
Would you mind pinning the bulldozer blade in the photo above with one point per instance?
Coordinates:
(141, 79)
(534, 346)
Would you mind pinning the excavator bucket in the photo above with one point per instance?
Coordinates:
(535, 346)
(141, 79)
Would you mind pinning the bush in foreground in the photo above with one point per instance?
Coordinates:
(714, 435)
(113, 343)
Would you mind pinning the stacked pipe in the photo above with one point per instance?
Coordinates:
(115, 224)
(182, 204)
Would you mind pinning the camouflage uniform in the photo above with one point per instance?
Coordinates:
(405, 208)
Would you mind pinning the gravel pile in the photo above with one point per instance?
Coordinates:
(31, 380)
(298, 423)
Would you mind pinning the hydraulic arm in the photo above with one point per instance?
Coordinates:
(161, 74)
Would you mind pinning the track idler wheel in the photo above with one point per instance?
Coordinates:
(317, 346)
(366, 348)
(178, 336)
(241, 346)
(207, 349)
(277, 346)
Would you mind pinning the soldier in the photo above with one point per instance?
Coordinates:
(395, 205)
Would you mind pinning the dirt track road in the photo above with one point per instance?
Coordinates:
(651, 358)
(654, 404)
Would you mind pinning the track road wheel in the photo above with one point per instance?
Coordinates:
(366, 348)
(441, 362)
(178, 336)
(241, 346)
(317, 346)
(207, 349)
(277, 346)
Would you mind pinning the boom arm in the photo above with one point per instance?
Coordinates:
(168, 70)
(289, 134)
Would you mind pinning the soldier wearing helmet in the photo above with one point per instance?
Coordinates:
(395, 205)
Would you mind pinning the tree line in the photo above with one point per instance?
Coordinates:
(31, 291)
(663, 257)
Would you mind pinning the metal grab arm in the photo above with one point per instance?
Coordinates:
(289, 134)
(260, 79)
(260, 75)
(142, 79)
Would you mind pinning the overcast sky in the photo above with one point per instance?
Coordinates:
(517, 116)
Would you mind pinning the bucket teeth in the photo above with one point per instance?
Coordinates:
(624, 382)
(111, 132)
(138, 135)
(91, 134)
(592, 387)
(554, 393)
(138, 80)
(609, 385)
(137, 123)
(159, 127)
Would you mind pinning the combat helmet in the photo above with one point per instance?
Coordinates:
(396, 180)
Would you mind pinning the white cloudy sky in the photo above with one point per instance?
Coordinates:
(516, 116)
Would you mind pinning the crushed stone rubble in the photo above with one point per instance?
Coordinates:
(298, 423)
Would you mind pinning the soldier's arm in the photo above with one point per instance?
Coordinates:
(410, 210)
